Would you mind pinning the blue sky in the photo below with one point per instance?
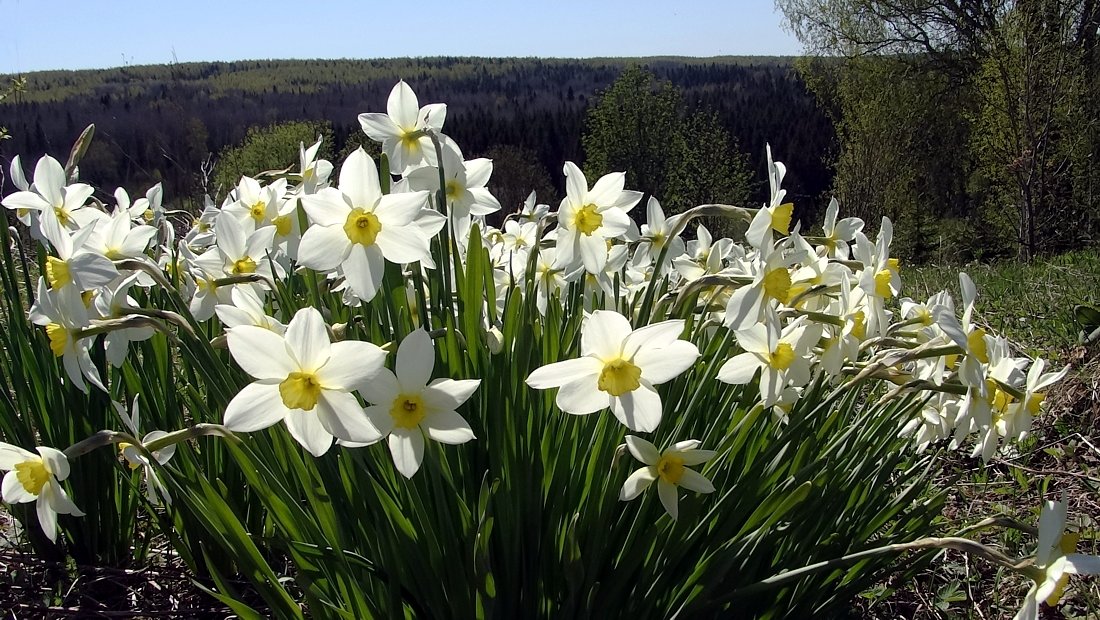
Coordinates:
(81, 34)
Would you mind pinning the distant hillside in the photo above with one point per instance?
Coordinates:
(159, 123)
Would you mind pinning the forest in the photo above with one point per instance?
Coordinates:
(170, 123)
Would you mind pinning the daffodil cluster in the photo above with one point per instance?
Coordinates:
(797, 308)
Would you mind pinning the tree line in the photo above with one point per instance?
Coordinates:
(170, 123)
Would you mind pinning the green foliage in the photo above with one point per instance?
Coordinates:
(274, 147)
(641, 126)
(980, 112)
(1032, 304)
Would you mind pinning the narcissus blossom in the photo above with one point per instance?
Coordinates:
(35, 478)
(618, 369)
(1055, 560)
(407, 407)
(669, 469)
(303, 379)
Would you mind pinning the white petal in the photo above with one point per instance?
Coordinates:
(740, 369)
(47, 518)
(636, 483)
(667, 493)
(381, 388)
(1082, 564)
(12, 490)
(363, 269)
(306, 428)
(260, 352)
(639, 410)
(665, 363)
(447, 427)
(695, 457)
(341, 416)
(652, 336)
(257, 406)
(323, 248)
(351, 364)
(694, 481)
(415, 361)
(444, 394)
(582, 396)
(380, 418)
(643, 450)
(407, 448)
(56, 462)
(561, 373)
(603, 334)
(307, 339)
(11, 455)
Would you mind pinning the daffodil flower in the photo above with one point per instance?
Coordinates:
(656, 236)
(75, 265)
(36, 478)
(406, 407)
(51, 192)
(357, 229)
(155, 490)
(1055, 560)
(588, 218)
(669, 469)
(63, 314)
(314, 172)
(779, 355)
(303, 379)
(618, 369)
(397, 129)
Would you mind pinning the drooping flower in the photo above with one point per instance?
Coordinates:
(669, 469)
(618, 369)
(1055, 560)
(406, 407)
(156, 492)
(303, 379)
(36, 478)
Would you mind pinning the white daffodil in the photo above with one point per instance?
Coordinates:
(25, 214)
(247, 309)
(669, 469)
(35, 478)
(619, 368)
(117, 238)
(776, 215)
(588, 218)
(880, 277)
(397, 129)
(1054, 561)
(155, 490)
(110, 303)
(838, 234)
(314, 172)
(357, 229)
(656, 236)
(303, 379)
(531, 211)
(52, 192)
(406, 407)
(63, 314)
(255, 204)
(245, 252)
(780, 356)
(465, 186)
(75, 265)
